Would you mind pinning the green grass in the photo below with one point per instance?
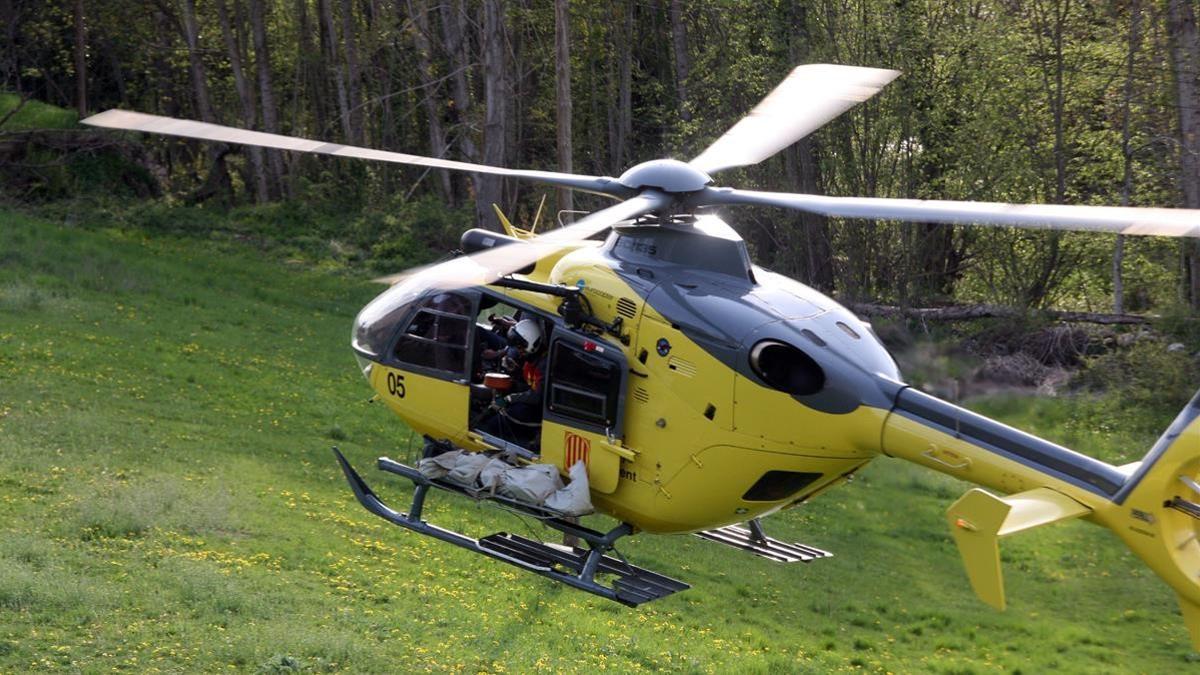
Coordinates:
(168, 502)
(35, 115)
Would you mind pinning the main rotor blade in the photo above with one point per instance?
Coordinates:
(808, 98)
(134, 121)
(1117, 219)
(487, 266)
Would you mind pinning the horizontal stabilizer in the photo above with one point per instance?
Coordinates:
(978, 520)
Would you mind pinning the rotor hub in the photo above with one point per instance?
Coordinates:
(669, 175)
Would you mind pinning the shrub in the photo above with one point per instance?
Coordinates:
(1141, 385)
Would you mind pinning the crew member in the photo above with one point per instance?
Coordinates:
(517, 417)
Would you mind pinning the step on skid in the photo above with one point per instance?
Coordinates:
(574, 566)
(757, 542)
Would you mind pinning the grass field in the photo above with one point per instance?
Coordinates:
(34, 114)
(168, 502)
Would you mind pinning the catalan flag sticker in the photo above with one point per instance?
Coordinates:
(576, 448)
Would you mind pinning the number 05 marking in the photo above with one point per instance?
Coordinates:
(395, 385)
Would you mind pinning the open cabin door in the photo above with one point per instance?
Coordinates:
(585, 406)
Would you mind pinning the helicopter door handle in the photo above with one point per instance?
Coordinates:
(933, 454)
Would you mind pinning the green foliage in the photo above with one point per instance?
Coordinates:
(1181, 324)
(1142, 385)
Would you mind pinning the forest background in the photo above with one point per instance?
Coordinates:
(1057, 101)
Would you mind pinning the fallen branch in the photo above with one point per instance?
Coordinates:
(971, 312)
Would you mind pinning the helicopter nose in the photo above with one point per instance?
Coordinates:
(377, 323)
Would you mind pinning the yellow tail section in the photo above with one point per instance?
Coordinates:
(1152, 505)
(1157, 512)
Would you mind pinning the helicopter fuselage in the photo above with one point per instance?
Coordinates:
(739, 391)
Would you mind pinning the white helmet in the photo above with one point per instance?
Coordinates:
(527, 334)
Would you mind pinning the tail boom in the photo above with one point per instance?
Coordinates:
(1153, 506)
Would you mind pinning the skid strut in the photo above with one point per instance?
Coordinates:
(574, 566)
(755, 541)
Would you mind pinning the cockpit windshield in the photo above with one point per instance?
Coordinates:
(376, 324)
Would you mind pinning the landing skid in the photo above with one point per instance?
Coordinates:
(757, 542)
(574, 566)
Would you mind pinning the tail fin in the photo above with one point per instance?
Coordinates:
(1157, 512)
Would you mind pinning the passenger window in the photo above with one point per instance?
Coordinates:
(436, 336)
(583, 385)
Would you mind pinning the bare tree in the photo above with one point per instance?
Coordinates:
(620, 111)
(80, 60)
(455, 28)
(813, 250)
(266, 90)
(246, 98)
(330, 40)
(1135, 38)
(418, 10)
(353, 74)
(562, 75)
(496, 92)
(1185, 58)
(191, 36)
(217, 181)
(683, 62)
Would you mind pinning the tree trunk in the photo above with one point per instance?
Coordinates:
(814, 257)
(385, 65)
(1040, 289)
(217, 182)
(80, 61)
(455, 27)
(353, 74)
(329, 37)
(187, 9)
(1135, 24)
(683, 63)
(309, 71)
(495, 95)
(623, 126)
(10, 21)
(246, 98)
(419, 11)
(1185, 57)
(266, 89)
(1051, 21)
(562, 76)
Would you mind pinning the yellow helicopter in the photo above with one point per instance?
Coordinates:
(702, 392)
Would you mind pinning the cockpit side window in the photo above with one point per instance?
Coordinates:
(436, 336)
(583, 386)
